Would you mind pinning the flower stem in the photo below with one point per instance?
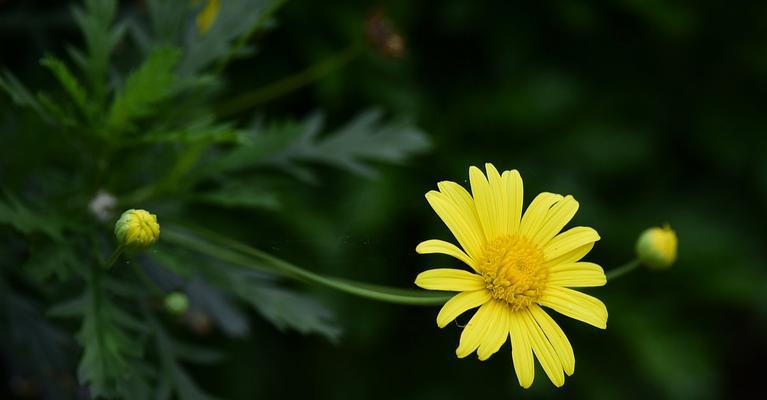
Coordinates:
(623, 270)
(115, 255)
(289, 83)
(239, 254)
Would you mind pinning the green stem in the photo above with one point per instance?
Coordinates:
(623, 270)
(246, 256)
(115, 255)
(290, 83)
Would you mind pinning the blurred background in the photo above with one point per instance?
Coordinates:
(648, 112)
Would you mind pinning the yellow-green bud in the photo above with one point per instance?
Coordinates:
(176, 303)
(656, 247)
(137, 230)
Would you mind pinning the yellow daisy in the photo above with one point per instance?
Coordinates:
(519, 263)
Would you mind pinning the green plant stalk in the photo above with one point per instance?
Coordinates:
(115, 255)
(289, 83)
(246, 256)
(622, 270)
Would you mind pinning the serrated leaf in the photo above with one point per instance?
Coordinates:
(68, 81)
(14, 213)
(20, 95)
(144, 88)
(365, 139)
(240, 195)
(68, 309)
(235, 19)
(287, 309)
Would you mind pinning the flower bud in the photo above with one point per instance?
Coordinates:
(656, 247)
(207, 16)
(137, 230)
(176, 303)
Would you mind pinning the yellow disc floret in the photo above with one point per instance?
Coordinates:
(137, 230)
(512, 267)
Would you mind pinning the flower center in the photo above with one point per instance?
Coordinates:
(512, 267)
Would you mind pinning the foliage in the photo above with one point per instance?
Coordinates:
(135, 123)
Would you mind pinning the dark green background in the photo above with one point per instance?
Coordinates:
(646, 111)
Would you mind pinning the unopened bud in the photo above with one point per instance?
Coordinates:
(657, 247)
(176, 303)
(137, 230)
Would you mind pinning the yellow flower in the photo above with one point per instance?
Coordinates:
(137, 230)
(207, 16)
(656, 247)
(519, 264)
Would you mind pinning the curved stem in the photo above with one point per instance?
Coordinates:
(289, 83)
(246, 256)
(622, 270)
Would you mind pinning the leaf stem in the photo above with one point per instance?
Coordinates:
(246, 256)
(623, 269)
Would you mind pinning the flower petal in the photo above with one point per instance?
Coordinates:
(443, 247)
(558, 216)
(460, 220)
(544, 351)
(568, 241)
(575, 305)
(557, 338)
(571, 256)
(484, 201)
(521, 350)
(461, 303)
(497, 332)
(512, 181)
(579, 274)
(474, 333)
(454, 280)
(536, 212)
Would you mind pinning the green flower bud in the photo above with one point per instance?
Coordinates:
(656, 247)
(137, 230)
(176, 303)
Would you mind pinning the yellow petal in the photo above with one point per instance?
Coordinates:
(442, 247)
(536, 213)
(557, 338)
(544, 351)
(579, 274)
(575, 305)
(460, 220)
(461, 303)
(497, 332)
(484, 202)
(568, 241)
(454, 280)
(558, 216)
(571, 256)
(512, 181)
(521, 350)
(474, 333)
(501, 203)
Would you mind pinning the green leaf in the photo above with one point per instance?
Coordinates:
(111, 364)
(20, 95)
(149, 84)
(68, 81)
(365, 139)
(236, 19)
(287, 309)
(240, 195)
(95, 21)
(16, 214)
